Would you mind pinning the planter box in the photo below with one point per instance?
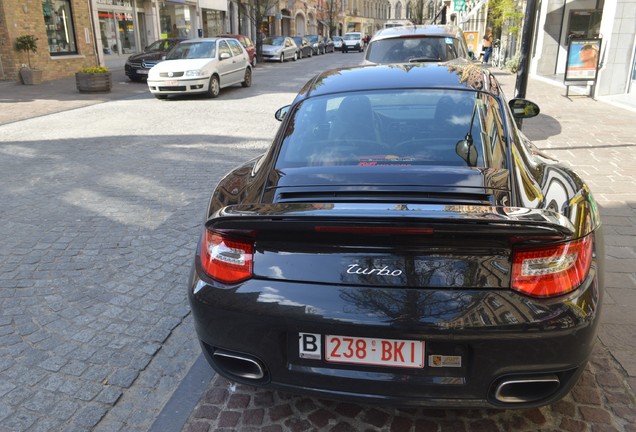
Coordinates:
(93, 82)
(30, 76)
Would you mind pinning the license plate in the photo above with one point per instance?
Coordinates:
(142, 72)
(374, 351)
(171, 83)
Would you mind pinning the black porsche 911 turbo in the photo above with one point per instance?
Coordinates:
(402, 242)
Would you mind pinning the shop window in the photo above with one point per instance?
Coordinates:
(212, 23)
(60, 32)
(585, 23)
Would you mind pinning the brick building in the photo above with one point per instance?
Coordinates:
(64, 32)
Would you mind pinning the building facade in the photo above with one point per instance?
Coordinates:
(613, 22)
(64, 32)
(82, 33)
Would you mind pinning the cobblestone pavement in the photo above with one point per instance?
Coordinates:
(104, 207)
(101, 211)
(599, 141)
(600, 402)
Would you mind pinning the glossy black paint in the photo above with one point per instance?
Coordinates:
(453, 287)
(138, 65)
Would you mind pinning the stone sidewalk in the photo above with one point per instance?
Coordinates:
(20, 102)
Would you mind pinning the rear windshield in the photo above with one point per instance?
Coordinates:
(397, 127)
(412, 49)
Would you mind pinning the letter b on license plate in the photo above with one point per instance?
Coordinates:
(310, 346)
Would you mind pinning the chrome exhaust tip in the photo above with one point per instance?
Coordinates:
(526, 389)
(239, 365)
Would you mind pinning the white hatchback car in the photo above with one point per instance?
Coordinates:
(201, 66)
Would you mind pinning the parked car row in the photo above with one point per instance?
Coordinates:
(207, 65)
(177, 66)
(280, 48)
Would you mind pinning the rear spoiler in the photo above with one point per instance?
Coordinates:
(455, 218)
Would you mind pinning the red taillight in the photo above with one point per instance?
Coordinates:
(224, 259)
(550, 271)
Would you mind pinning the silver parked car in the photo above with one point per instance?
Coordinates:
(280, 48)
(417, 43)
(201, 66)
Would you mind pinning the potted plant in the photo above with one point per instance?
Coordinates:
(94, 79)
(28, 44)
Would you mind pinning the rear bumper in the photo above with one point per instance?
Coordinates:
(498, 334)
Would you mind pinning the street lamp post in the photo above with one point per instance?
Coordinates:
(525, 52)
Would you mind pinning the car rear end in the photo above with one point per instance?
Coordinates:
(386, 267)
(457, 305)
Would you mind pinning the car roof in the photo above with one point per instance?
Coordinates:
(447, 30)
(455, 74)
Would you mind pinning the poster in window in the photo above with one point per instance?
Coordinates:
(583, 58)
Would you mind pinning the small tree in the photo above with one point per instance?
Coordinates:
(331, 14)
(28, 44)
(505, 13)
(256, 11)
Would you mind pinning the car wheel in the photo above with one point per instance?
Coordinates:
(215, 87)
(311, 53)
(162, 97)
(300, 55)
(282, 57)
(295, 56)
(247, 80)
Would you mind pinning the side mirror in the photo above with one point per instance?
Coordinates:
(163, 57)
(523, 108)
(282, 112)
(467, 151)
(471, 54)
(224, 56)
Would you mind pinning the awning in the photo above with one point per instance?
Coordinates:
(473, 11)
